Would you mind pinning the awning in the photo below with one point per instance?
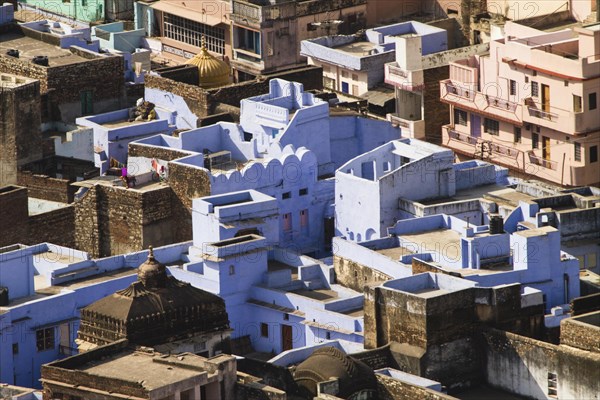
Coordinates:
(211, 16)
(380, 95)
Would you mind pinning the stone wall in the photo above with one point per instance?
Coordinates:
(522, 366)
(47, 188)
(56, 226)
(391, 389)
(20, 135)
(582, 332)
(354, 275)
(13, 215)
(112, 220)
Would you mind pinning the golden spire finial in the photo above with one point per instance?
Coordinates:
(150, 252)
(203, 42)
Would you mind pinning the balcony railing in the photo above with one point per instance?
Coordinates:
(410, 128)
(466, 97)
(462, 137)
(504, 150)
(542, 162)
(398, 71)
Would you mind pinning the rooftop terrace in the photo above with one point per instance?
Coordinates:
(30, 48)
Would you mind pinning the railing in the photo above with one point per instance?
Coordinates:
(467, 97)
(542, 162)
(398, 71)
(250, 12)
(411, 128)
(504, 150)
(462, 137)
(536, 112)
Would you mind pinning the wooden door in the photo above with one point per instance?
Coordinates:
(286, 337)
(546, 148)
(546, 98)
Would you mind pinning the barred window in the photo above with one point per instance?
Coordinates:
(190, 32)
(535, 89)
(577, 151)
(44, 339)
(517, 138)
(535, 140)
(491, 126)
(460, 117)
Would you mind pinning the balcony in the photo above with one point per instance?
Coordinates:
(559, 119)
(405, 80)
(464, 97)
(542, 162)
(410, 128)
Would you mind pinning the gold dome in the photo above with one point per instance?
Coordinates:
(213, 72)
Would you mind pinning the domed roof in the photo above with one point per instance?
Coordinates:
(212, 71)
(329, 362)
(156, 308)
(151, 273)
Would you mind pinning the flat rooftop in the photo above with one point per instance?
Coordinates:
(40, 206)
(500, 194)
(115, 181)
(395, 253)
(357, 48)
(29, 48)
(149, 370)
(323, 295)
(78, 283)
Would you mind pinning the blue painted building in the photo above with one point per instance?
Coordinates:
(483, 254)
(47, 286)
(354, 64)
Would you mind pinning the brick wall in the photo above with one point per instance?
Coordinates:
(13, 215)
(436, 113)
(47, 188)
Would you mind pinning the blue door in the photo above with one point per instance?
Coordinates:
(345, 87)
(475, 125)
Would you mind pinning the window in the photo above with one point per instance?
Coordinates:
(535, 89)
(15, 348)
(232, 270)
(566, 83)
(264, 330)
(303, 218)
(354, 90)
(517, 132)
(303, 192)
(329, 83)
(354, 77)
(593, 154)
(287, 222)
(311, 27)
(592, 101)
(460, 117)
(248, 40)
(84, 3)
(328, 335)
(513, 87)
(535, 140)
(576, 103)
(44, 339)
(286, 317)
(344, 74)
(87, 104)
(577, 151)
(326, 68)
(451, 11)
(286, 195)
(491, 126)
(552, 384)
(190, 32)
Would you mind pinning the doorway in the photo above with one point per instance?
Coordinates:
(546, 98)
(475, 125)
(286, 337)
(546, 148)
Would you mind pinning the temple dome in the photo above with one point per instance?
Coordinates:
(151, 273)
(155, 309)
(326, 363)
(212, 71)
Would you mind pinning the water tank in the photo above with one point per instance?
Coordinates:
(41, 60)
(496, 224)
(3, 296)
(12, 53)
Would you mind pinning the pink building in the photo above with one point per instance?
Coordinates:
(531, 104)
